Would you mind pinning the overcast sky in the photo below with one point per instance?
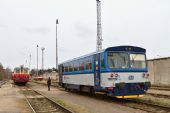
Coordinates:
(26, 23)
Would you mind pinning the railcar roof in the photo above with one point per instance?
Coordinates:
(126, 48)
(115, 48)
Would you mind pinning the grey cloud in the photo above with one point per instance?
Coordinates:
(2, 26)
(40, 30)
(83, 31)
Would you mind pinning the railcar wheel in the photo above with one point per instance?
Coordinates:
(92, 91)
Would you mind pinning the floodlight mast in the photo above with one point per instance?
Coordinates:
(99, 27)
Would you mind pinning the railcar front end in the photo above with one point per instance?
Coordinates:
(21, 78)
(21, 75)
(126, 74)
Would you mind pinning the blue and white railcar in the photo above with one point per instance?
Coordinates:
(119, 71)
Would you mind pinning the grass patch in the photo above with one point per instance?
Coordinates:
(27, 92)
(73, 107)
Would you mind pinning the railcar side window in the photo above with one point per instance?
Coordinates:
(81, 66)
(70, 67)
(118, 60)
(88, 65)
(65, 68)
(76, 67)
(102, 61)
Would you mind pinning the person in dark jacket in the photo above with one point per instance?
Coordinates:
(49, 83)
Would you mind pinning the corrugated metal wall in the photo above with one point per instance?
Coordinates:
(159, 71)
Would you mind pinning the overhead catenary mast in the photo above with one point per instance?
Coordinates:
(99, 27)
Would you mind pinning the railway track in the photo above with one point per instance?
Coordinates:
(2, 83)
(160, 88)
(159, 95)
(145, 106)
(41, 104)
(134, 103)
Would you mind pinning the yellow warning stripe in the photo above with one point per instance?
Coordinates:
(100, 93)
(130, 96)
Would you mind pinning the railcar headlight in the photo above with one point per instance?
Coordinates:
(146, 75)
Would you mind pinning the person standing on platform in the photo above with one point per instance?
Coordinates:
(49, 83)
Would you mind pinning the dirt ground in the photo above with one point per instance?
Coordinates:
(11, 101)
(82, 103)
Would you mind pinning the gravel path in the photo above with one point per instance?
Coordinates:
(11, 101)
(84, 104)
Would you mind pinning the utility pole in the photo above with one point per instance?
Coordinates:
(30, 62)
(99, 27)
(56, 47)
(37, 60)
(42, 57)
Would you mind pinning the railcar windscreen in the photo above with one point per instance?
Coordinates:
(118, 60)
(137, 61)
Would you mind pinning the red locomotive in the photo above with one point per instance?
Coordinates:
(20, 75)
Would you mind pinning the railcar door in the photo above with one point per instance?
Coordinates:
(60, 75)
(97, 72)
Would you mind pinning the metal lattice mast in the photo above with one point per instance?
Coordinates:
(99, 27)
(56, 47)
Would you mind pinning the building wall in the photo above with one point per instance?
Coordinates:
(159, 70)
(52, 75)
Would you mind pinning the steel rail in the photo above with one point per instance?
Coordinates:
(2, 83)
(64, 109)
(148, 104)
(160, 88)
(134, 101)
(30, 105)
(159, 95)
